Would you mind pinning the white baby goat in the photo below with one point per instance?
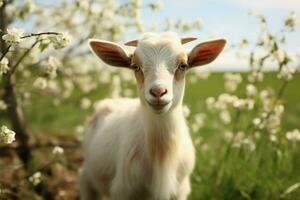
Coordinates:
(140, 149)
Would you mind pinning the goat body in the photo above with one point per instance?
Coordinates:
(139, 149)
(132, 154)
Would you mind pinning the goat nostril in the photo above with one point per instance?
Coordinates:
(158, 92)
(164, 91)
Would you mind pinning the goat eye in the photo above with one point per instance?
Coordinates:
(135, 67)
(182, 66)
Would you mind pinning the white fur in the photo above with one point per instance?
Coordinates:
(125, 138)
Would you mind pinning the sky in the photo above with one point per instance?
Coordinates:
(229, 19)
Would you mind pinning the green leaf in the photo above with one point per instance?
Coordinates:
(43, 46)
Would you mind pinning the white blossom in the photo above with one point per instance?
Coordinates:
(286, 73)
(57, 150)
(186, 111)
(156, 5)
(3, 105)
(225, 116)
(232, 81)
(198, 122)
(85, 103)
(291, 21)
(255, 76)
(210, 102)
(13, 35)
(280, 55)
(249, 144)
(61, 40)
(293, 135)
(251, 90)
(53, 65)
(202, 73)
(7, 136)
(79, 129)
(273, 138)
(83, 4)
(257, 122)
(29, 6)
(298, 54)
(36, 178)
(40, 83)
(1, 3)
(4, 66)
(238, 139)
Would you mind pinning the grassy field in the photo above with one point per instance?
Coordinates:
(222, 172)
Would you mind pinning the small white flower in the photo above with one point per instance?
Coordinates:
(291, 21)
(210, 102)
(40, 83)
(298, 54)
(3, 105)
(53, 65)
(286, 73)
(202, 74)
(251, 90)
(36, 178)
(85, 103)
(79, 129)
(186, 111)
(61, 40)
(7, 136)
(4, 66)
(280, 55)
(238, 139)
(257, 122)
(273, 138)
(83, 4)
(156, 5)
(13, 36)
(29, 6)
(232, 81)
(293, 135)
(57, 150)
(198, 23)
(255, 76)
(1, 3)
(249, 143)
(225, 116)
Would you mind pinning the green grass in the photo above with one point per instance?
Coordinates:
(265, 173)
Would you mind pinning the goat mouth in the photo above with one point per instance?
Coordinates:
(158, 105)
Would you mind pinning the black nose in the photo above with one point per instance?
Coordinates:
(158, 91)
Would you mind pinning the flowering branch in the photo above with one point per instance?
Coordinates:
(12, 70)
(39, 34)
(5, 52)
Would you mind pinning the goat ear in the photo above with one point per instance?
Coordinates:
(132, 43)
(205, 52)
(187, 39)
(110, 53)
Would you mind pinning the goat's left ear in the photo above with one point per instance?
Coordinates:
(205, 52)
(110, 53)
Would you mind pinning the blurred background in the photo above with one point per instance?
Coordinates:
(243, 110)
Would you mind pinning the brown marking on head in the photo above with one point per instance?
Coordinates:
(135, 60)
(181, 59)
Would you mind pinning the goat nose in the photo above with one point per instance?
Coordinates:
(158, 91)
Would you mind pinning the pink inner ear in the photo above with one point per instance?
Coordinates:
(111, 54)
(206, 52)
